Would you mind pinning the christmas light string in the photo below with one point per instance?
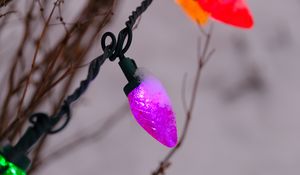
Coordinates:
(143, 93)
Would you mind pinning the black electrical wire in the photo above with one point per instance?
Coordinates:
(42, 123)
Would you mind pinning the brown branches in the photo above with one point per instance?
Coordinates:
(7, 13)
(204, 56)
(18, 58)
(33, 64)
(44, 59)
(4, 2)
(54, 63)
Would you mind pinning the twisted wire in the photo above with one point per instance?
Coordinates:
(137, 13)
(44, 124)
(93, 71)
(120, 47)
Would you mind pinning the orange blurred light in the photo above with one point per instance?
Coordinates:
(232, 12)
(194, 11)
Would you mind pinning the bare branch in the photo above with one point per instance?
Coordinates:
(203, 57)
(4, 2)
(88, 137)
(7, 13)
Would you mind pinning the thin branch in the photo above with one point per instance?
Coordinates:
(88, 137)
(67, 52)
(34, 61)
(183, 93)
(202, 60)
(137, 23)
(4, 3)
(16, 60)
(7, 13)
(60, 18)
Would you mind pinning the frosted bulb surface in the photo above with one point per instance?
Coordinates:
(152, 109)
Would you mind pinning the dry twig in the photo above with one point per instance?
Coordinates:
(204, 56)
(28, 86)
(4, 2)
(88, 137)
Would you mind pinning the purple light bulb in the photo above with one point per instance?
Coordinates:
(152, 109)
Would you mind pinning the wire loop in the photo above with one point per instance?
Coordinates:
(117, 48)
(66, 113)
(42, 123)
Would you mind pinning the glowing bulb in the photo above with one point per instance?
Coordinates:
(149, 103)
(8, 168)
(233, 12)
(152, 109)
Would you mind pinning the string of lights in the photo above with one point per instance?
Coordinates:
(147, 98)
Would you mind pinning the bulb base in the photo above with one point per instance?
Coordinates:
(129, 69)
(18, 159)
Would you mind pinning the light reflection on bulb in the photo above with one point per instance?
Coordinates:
(152, 109)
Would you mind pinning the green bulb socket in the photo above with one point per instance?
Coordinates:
(12, 163)
(8, 168)
(129, 69)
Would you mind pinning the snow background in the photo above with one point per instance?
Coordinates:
(247, 116)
